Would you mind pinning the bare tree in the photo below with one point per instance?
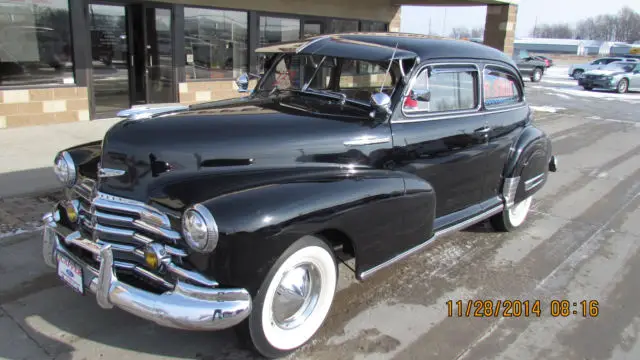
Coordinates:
(460, 32)
(555, 31)
(623, 26)
(477, 32)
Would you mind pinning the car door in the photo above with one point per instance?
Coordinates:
(439, 134)
(505, 113)
(634, 78)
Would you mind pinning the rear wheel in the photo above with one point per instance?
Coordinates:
(623, 86)
(294, 299)
(512, 218)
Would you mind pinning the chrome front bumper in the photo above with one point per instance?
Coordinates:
(187, 307)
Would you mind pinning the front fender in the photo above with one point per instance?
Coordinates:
(372, 209)
(528, 164)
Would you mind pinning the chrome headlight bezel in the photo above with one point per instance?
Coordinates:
(65, 169)
(200, 229)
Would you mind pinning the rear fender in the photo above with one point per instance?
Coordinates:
(527, 167)
(374, 211)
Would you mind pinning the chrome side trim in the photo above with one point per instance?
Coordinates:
(461, 225)
(367, 140)
(458, 115)
(482, 216)
(366, 274)
(533, 182)
(509, 190)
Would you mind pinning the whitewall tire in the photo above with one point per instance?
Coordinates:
(294, 298)
(514, 217)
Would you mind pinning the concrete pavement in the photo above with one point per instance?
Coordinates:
(27, 153)
(581, 242)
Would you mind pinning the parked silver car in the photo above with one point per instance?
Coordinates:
(577, 70)
(620, 76)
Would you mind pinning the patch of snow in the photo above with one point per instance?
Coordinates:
(551, 109)
(18, 232)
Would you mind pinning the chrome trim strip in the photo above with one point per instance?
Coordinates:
(533, 182)
(124, 220)
(458, 115)
(106, 172)
(461, 225)
(146, 273)
(169, 234)
(367, 140)
(509, 190)
(482, 216)
(190, 275)
(147, 213)
(175, 251)
(422, 113)
(366, 274)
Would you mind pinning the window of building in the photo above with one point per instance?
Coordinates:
(500, 88)
(341, 26)
(275, 29)
(373, 26)
(35, 43)
(215, 43)
(441, 88)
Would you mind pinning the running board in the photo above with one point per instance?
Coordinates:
(459, 226)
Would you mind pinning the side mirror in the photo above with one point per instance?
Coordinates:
(243, 83)
(422, 95)
(381, 102)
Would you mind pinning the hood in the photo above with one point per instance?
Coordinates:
(604, 72)
(244, 135)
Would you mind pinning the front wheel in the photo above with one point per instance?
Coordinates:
(623, 86)
(512, 218)
(294, 299)
(589, 88)
(537, 75)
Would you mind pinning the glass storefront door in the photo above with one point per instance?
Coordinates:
(158, 57)
(132, 56)
(110, 58)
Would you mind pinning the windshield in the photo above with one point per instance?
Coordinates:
(351, 79)
(618, 66)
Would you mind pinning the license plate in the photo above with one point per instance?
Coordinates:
(71, 273)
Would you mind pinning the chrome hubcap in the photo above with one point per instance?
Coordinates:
(623, 86)
(296, 296)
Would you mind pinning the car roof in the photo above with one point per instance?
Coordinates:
(408, 45)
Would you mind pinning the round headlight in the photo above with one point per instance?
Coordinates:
(65, 169)
(200, 229)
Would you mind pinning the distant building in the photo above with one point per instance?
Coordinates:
(572, 46)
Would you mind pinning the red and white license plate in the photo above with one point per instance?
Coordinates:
(71, 273)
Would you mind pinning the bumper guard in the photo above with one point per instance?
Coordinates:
(187, 307)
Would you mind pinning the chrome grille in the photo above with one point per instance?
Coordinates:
(129, 226)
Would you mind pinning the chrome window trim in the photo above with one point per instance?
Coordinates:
(422, 113)
(509, 72)
(458, 115)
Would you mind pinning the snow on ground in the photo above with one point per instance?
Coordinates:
(551, 109)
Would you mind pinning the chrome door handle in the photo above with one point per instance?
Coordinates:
(483, 130)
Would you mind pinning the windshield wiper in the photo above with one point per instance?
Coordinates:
(331, 94)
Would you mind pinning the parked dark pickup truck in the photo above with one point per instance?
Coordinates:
(529, 66)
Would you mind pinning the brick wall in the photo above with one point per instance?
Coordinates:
(201, 91)
(43, 106)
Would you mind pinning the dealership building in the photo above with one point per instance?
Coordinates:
(80, 60)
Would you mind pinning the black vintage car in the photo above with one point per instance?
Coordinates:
(365, 146)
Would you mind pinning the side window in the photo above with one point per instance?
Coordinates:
(500, 88)
(443, 88)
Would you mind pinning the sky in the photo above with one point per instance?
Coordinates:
(416, 19)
